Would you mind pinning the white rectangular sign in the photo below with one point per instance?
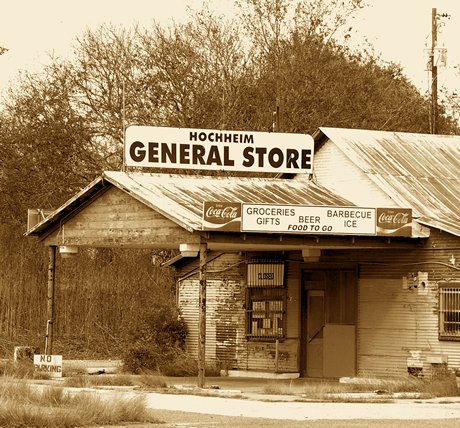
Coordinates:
(308, 219)
(50, 364)
(208, 149)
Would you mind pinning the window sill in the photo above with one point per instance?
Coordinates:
(449, 338)
(252, 338)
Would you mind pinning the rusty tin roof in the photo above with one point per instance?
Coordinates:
(180, 197)
(420, 171)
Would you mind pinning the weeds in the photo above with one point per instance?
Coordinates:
(144, 380)
(21, 369)
(327, 390)
(85, 381)
(49, 406)
(155, 381)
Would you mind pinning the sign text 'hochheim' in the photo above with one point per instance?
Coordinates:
(207, 149)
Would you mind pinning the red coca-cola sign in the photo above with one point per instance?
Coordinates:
(222, 216)
(394, 221)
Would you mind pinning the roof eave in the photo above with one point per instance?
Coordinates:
(68, 208)
(148, 203)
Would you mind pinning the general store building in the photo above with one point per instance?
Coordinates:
(374, 292)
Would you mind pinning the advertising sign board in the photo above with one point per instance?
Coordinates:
(394, 221)
(208, 149)
(222, 216)
(307, 219)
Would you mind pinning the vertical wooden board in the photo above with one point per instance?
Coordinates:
(117, 219)
(188, 307)
(226, 342)
(339, 350)
(293, 301)
(330, 164)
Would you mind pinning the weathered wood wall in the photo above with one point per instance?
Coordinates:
(394, 323)
(117, 219)
(226, 343)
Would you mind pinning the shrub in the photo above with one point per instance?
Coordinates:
(182, 365)
(157, 337)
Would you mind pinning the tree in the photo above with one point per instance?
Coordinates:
(46, 148)
(61, 127)
(302, 50)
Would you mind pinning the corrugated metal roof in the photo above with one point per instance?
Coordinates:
(420, 171)
(180, 197)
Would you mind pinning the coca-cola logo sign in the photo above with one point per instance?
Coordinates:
(394, 221)
(222, 216)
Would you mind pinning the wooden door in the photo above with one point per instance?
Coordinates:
(315, 326)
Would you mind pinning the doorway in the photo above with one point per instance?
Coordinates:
(315, 328)
(328, 323)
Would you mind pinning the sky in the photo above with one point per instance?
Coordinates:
(399, 29)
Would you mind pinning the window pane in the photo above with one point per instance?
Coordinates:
(265, 312)
(449, 311)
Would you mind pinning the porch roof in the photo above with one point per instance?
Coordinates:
(180, 197)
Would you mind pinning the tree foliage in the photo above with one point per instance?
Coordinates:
(63, 126)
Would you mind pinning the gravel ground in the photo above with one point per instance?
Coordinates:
(250, 408)
(177, 419)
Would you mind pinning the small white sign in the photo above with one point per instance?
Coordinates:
(265, 274)
(211, 149)
(50, 364)
(300, 219)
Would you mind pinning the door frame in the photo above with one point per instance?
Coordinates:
(304, 302)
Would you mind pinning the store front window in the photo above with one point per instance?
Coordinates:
(265, 299)
(449, 311)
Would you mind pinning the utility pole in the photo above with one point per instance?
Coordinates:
(436, 54)
(202, 316)
(50, 300)
(434, 72)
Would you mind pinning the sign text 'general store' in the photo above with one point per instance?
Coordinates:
(205, 149)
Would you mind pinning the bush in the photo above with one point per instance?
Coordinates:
(158, 337)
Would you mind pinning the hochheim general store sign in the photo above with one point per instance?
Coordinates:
(299, 219)
(207, 149)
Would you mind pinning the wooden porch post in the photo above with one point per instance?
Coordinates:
(202, 317)
(50, 301)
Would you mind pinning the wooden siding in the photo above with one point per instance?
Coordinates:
(394, 322)
(117, 219)
(224, 307)
(226, 344)
(352, 185)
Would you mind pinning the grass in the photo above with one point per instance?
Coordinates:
(23, 369)
(327, 390)
(86, 381)
(22, 404)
